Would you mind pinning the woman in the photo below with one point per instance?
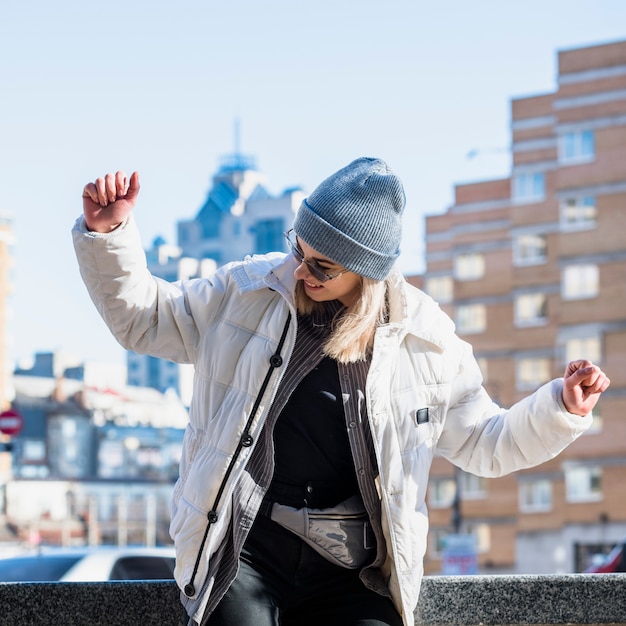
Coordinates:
(324, 384)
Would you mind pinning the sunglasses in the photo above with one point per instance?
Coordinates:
(317, 271)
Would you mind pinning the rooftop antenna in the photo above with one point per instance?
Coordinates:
(237, 161)
(237, 136)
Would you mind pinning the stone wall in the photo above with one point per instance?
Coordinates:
(574, 599)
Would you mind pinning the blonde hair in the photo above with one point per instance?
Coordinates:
(353, 329)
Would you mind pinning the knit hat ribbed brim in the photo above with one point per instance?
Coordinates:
(354, 218)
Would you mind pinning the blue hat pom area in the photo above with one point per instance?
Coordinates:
(354, 217)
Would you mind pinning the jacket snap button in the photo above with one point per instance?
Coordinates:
(276, 360)
(189, 590)
(246, 441)
(212, 517)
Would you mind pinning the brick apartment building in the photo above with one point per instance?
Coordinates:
(533, 270)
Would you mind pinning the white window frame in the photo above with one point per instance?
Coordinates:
(482, 535)
(472, 487)
(531, 309)
(527, 187)
(583, 483)
(577, 147)
(469, 266)
(535, 496)
(580, 281)
(583, 347)
(532, 372)
(441, 492)
(471, 319)
(440, 288)
(578, 213)
(530, 249)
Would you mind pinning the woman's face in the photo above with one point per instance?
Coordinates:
(345, 287)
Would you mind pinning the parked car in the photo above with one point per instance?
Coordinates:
(89, 564)
(615, 561)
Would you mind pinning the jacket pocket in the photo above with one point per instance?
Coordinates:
(418, 413)
(188, 529)
(191, 444)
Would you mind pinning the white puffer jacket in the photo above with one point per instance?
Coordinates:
(230, 326)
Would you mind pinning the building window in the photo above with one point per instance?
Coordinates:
(532, 373)
(530, 249)
(580, 281)
(531, 309)
(471, 318)
(472, 487)
(583, 483)
(578, 213)
(535, 495)
(437, 542)
(210, 221)
(529, 187)
(469, 266)
(269, 236)
(583, 348)
(440, 288)
(596, 420)
(482, 535)
(154, 372)
(441, 492)
(183, 235)
(576, 146)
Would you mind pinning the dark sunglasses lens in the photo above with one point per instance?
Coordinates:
(317, 272)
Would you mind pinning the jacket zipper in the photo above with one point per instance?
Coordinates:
(245, 442)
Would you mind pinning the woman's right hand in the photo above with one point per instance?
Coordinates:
(108, 201)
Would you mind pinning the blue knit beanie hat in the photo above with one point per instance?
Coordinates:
(354, 218)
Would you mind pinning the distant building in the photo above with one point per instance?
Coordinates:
(95, 462)
(62, 365)
(6, 288)
(74, 430)
(533, 270)
(239, 218)
(50, 365)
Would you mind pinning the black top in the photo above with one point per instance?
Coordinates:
(312, 449)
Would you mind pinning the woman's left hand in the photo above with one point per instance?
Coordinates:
(583, 382)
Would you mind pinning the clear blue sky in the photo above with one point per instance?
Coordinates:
(90, 87)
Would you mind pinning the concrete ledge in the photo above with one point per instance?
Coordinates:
(575, 599)
(598, 599)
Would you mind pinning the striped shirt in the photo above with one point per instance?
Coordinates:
(311, 335)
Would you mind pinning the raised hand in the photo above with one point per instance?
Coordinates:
(108, 201)
(582, 386)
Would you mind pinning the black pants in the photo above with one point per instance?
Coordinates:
(284, 582)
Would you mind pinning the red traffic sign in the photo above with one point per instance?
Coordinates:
(11, 422)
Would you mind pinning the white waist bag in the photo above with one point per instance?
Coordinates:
(342, 534)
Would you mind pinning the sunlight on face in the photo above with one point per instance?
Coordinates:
(345, 287)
